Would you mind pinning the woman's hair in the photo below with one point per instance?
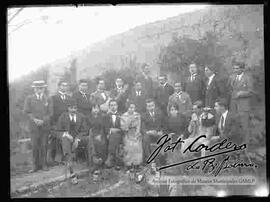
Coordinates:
(130, 102)
(198, 103)
(175, 106)
(96, 106)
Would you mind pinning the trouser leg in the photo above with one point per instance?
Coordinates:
(51, 151)
(35, 152)
(114, 143)
(245, 123)
(43, 148)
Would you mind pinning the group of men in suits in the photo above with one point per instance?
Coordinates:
(63, 112)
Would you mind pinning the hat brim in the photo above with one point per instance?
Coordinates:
(43, 86)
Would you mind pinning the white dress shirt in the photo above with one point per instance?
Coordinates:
(72, 117)
(224, 115)
(39, 96)
(62, 95)
(210, 79)
(103, 95)
(138, 93)
(239, 77)
(83, 94)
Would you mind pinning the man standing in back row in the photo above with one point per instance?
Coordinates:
(146, 81)
(194, 85)
(59, 105)
(162, 94)
(82, 98)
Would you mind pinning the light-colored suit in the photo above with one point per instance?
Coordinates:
(241, 93)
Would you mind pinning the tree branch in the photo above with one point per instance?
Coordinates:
(17, 12)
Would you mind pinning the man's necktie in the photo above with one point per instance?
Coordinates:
(63, 97)
(113, 119)
(84, 96)
(152, 115)
(192, 77)
(179, 95)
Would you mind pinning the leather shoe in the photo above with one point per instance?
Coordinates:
(117, 168)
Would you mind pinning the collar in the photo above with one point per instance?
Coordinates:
(82, 93)
(194, 74)
(145, 75)
(240, 75)
(225, 114)
(179, 93)
(41, 95)
(152, 112)
(71, 114)
(211, 77)
(119, 88)
(113, 113)
(61, 93)
(164, 84)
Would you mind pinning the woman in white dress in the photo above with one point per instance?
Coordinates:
(131, 124)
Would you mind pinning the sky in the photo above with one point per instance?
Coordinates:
(52, 33)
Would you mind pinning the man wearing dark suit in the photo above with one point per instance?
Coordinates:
(101, 96)
(114, 133)
(38, 108)
(215, 87)
(152, 127)
(195, 85)
(146, 80)
(162, 94)
(138, 96)
(241, 92)
(227, 123)
(83, 98)
(59, 106)
(73, 129)
(120, 94)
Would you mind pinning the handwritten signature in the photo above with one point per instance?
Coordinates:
(220, 148)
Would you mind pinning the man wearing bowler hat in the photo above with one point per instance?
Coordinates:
(38, 107)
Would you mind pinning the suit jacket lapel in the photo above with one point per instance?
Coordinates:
(227, 122)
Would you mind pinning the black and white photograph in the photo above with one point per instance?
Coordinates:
(136, 100)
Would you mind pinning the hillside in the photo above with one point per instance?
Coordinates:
(144, 42)
(240, 29)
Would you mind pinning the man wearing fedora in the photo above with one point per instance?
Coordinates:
(38, 107)
(241, 85)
